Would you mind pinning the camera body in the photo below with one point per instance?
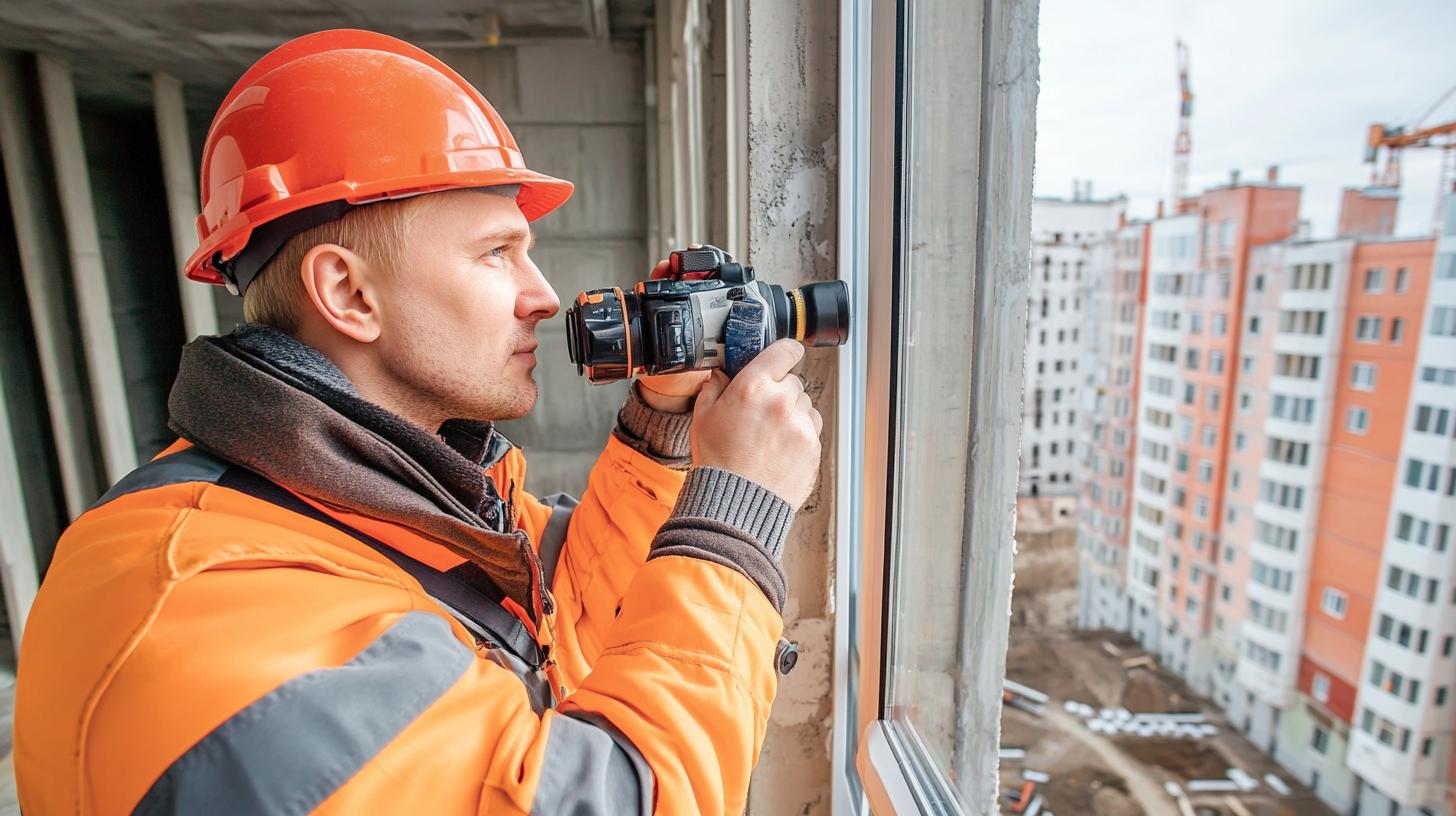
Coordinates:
(709, 312)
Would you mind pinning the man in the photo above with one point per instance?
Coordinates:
(333, 593)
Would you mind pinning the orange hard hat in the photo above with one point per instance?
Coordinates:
(337, 119)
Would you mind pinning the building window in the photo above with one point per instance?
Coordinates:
(1430, 419)
(1443, 322)
(1374, 279)
(1320, 688)
(1357, 420)
(1402, 279)
(1397, 330)
(1362, 376)
(1239, 441)
(1367, 329)
(1246, 363)
(1333, 603)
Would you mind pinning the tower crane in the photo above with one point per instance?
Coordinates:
(1183, 143)
(1396, 139)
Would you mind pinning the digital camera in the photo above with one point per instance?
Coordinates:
(709, 312)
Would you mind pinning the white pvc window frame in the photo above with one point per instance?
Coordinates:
(878, 765)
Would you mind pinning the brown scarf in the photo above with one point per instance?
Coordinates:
(261, 399)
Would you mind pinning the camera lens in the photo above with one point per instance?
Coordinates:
(604, 334)
(822, 309)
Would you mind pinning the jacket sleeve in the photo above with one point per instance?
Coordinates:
(592, 549)
(335, 691)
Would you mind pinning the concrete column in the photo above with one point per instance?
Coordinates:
(43, 264)
(17, 553)
(792, 212)
(88, 268)
(198, 312)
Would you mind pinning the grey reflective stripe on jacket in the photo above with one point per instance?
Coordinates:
(553, 538)
(188, 465)
(591, 768)
(292, 748)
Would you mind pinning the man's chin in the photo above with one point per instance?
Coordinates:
(524, 402)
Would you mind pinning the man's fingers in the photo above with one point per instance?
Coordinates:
(806, 405)
(710, 391)
(776, 361)
(659, 271)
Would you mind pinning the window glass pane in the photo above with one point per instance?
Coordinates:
(930, 695)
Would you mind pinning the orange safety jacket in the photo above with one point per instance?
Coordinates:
(206, 641)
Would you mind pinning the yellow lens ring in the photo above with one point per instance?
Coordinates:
(798, 299)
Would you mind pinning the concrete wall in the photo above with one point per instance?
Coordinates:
(131, 213)
(792, 215)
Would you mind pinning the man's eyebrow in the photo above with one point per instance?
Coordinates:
(506, 235)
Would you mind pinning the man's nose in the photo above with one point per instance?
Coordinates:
(537, 299)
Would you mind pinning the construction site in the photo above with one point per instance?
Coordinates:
(1093, 725)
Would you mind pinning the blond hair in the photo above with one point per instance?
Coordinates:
(377, 232)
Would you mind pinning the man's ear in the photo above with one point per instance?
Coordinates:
(341, 289)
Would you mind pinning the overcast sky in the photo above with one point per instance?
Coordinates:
(1274, 82)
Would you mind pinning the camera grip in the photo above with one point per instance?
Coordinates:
(742, 335)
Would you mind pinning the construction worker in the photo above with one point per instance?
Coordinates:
(333, 592)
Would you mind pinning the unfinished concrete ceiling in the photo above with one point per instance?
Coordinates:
(115, 45)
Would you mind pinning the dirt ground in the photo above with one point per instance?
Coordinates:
(1186, 759)
(1090, 789)
(1123, 775)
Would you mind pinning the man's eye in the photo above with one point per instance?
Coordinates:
(498, 252)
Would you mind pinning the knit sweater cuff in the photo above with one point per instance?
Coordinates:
(722, 495)
(661, 435)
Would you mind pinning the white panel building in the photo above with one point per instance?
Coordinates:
(1072, 244)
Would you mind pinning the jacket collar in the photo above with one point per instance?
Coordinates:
(268, 402)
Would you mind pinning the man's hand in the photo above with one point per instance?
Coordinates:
(761, 425)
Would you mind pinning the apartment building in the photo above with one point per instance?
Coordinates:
(1071, 245)
(1289, 548)
(1113, 327)
(1401, 750)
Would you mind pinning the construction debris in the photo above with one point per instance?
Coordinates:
(1241, 778)
(1273, 781)
(1144, 662)
(1236, 807)
(1025, 698)
(1035, 776)
(1117, 720)
(1013, 753)
(1212, 785)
